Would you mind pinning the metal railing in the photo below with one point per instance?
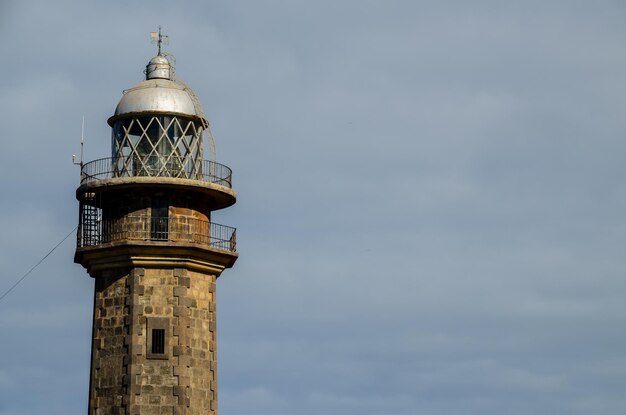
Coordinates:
(156, 166)
(169, 229)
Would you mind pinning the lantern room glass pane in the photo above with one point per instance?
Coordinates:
(161, 145)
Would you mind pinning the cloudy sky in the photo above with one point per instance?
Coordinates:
(431, 213)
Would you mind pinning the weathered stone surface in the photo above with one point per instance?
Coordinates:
(126, 376)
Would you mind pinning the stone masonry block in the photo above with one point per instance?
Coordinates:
(180, 311)
(180, 291)
(137, 310)
(179, 350)
(138, 272)
(184, 381)
(135, 370)
(150, 410)
(179, 391)
(184, 360)
(131, 299)
(137, 349)
(180, 272)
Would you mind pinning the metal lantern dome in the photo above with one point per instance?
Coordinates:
(158, 126)
(161, 93)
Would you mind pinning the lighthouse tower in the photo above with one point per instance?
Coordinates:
(147, 237)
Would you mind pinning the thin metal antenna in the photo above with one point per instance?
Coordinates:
(82, 145)
(82, 140)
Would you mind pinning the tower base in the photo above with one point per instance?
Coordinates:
(154, 342)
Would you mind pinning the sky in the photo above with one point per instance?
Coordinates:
(430, 208)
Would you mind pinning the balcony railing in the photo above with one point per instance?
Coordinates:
(93, 232)
(156, 166)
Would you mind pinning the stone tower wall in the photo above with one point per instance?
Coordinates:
(127, 378)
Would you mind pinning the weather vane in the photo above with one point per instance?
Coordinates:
(158, 38)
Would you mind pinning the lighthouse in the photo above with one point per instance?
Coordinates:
(146, 235)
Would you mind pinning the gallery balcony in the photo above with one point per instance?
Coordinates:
(140, 241)
(211, 179)
(131, 229)
(156, 166)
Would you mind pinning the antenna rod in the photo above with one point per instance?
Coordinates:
(82, 145)
(82, 141)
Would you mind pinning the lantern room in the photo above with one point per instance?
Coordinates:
(158, 126)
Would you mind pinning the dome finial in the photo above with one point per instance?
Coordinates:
(158, 38)
(162, 65)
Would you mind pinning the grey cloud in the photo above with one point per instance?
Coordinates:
(430, 199)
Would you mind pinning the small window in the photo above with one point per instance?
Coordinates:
(158, 341)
